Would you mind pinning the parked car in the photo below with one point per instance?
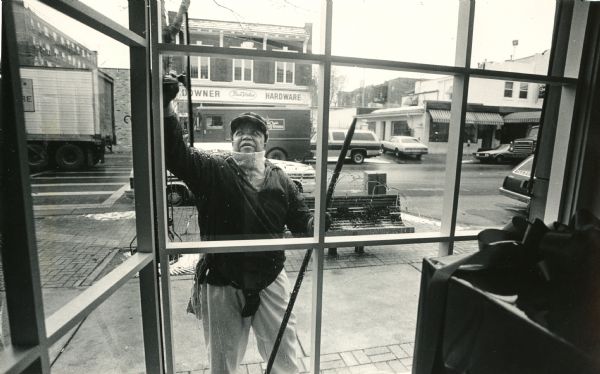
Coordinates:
(364, 144)
(516, 184)
(404, 145)
(177, 192)
(501, 154)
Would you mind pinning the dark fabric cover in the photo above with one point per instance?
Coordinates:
(484, 332)
(531, 303)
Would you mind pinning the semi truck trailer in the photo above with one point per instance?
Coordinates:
(69, 116)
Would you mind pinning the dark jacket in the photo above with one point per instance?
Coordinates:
(229, 208)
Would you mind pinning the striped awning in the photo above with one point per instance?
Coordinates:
(523, 117)
(473, 118)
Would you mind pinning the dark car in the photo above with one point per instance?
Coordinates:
(516, 184)
(501, 154)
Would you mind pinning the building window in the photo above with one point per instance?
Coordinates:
(523, 88)
(46, 31)
(210, 122)
(242, 70)
(508, 89)
(54, 36)
(200, 65)
(284, 72)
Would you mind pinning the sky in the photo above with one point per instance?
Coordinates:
(406, 30)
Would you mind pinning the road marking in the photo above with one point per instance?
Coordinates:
(39, 194)
(116, 195)
(85, 177)
(106, 204)
(76, 184)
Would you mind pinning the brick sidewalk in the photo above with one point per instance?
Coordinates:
(74, 250)
(395, 358)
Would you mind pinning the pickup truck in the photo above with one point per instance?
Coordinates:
(525, 146)
(364, 144)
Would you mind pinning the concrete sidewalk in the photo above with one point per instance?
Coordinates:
(369, 300)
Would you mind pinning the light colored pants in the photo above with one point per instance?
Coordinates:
(226, 332)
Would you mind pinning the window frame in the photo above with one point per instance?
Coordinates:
(199, 60)
(34, 334)
(523, 90)
(508, 92)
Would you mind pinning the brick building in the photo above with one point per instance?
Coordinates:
(43, 44)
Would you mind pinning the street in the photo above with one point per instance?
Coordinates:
(420, 185)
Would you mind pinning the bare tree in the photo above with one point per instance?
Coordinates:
(336, 83)
(170, 31)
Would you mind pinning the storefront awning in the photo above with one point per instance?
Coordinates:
(473, 118)
(523, 117)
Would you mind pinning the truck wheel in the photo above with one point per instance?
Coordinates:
(70, 157)
(175, 196)
(37, 157)
(277, 154)
(358, 157)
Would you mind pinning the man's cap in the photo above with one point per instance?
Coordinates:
(250, 117)
(170, 86)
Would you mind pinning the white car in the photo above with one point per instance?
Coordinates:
(404, 145)
(178, 193)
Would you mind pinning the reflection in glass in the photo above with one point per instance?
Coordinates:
(528, 29)
(108, 340)
(287, 25)
(78, 124)
(501, 129)
(393, 176)
(214, 104)
(239, 194)
(394, 30)
(49, 38)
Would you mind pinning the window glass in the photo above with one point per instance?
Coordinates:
(109, 340)
(504, 135)
(84, 212)
(339, 136)
(508, 89)
(293, 24)
(5, 340)
(523, 89)
(363, 29)
(214, 104)
(524, 47)
(392, 100)
(190, 347)
(364, 136)
(381, 306)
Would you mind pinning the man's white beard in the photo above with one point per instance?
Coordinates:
(253, 164)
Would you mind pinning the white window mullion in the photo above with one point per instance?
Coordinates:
(460, 89)
(561, 189)
(321, 184)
